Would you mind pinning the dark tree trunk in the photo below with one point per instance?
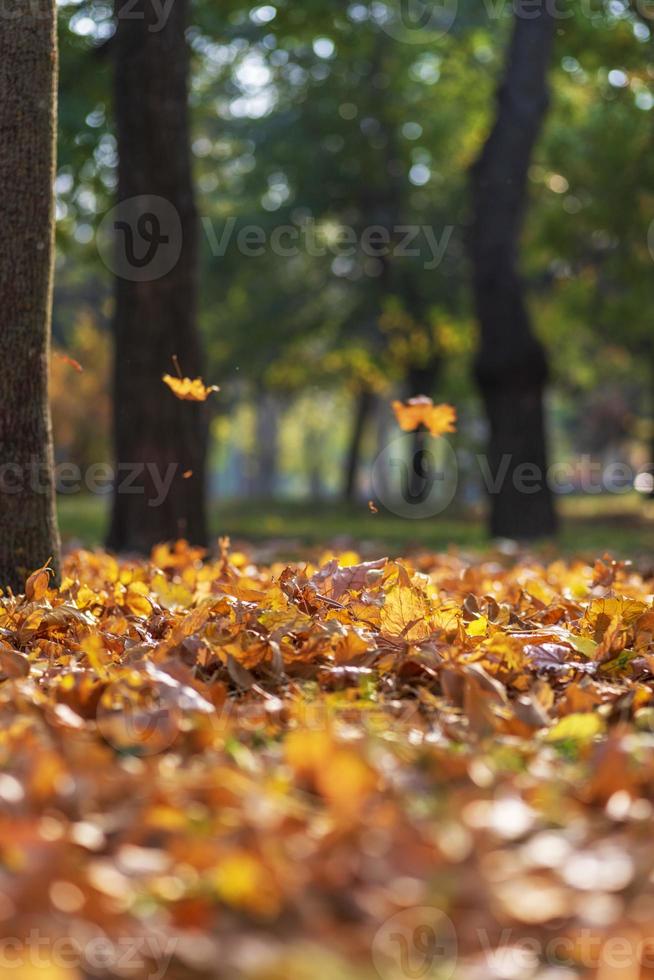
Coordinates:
(28, 74)
(364, 405)
(155, 319)
(511, 368)
(421, 381)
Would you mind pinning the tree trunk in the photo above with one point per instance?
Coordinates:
(364, 405)
(421, 381)
(28, 79)
(511, 368)
(267, 444)
(158, 438)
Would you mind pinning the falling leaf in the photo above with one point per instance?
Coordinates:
(437, 419)
(189, 389)
(372, 507)
(69, 360)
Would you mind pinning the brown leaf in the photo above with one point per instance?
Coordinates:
(38, 583)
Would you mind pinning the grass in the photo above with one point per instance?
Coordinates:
(590, 526)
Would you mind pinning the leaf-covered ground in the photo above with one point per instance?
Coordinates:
(396, 769)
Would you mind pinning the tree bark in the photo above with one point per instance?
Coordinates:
(421, 381)
(155, 434)
(511, 368)
(364, 404)
(28, 83)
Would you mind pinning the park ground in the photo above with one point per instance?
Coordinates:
(620, 525)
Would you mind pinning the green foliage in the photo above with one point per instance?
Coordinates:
(318, 119)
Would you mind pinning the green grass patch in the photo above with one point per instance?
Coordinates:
(588, 528)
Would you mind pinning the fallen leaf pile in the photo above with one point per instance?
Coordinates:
(396, 769)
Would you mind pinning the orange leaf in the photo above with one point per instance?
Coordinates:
(26, 965)
(69, 360)
(38, 583)
(189, 389)
(438, 419)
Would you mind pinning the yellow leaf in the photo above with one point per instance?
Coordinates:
(406, 610)
(136, 599)
(241, 880)
(171, 594)
(438, 419)
(307, 750)
(96, 653)
(346, 780)
(600, 612)
(577, 727)
(87, 597)
(189, 389)
(477, 627)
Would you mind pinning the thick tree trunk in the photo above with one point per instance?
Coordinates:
(511, 367)
(364, 404)
(421, 381)
(158, 438)
(28, 76)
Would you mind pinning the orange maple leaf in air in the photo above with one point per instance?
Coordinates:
(439, 419)
(189, 389)
(69, 360)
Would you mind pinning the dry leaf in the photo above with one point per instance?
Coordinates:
(189, 389)
(311, 750)
(38, 583)
(69, 360)
(438, 419)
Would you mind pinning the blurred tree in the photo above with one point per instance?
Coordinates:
(28, 60)
(292, 128)
(352, 144)
(511, 366)
(588, 260)
(155, 316)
